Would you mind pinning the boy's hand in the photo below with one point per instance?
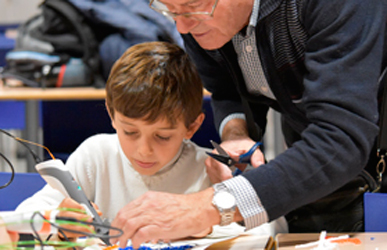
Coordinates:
(217, 171)
(6, 236)
(71, 208)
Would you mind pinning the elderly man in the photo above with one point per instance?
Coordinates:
(317, 63)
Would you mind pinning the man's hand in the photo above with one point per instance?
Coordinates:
(163, 216)
(235, 148)
(219, 172)
(203, 233)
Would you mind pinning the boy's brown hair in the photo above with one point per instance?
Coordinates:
(155, 80)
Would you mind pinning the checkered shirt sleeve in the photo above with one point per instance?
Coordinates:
(248, 202)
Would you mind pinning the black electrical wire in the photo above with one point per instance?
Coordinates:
(89, 224)
(34, 155)
(62, 230)
(12, 170)
(64, 236)
(35, 233)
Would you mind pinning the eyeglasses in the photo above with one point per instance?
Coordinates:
(197, 15)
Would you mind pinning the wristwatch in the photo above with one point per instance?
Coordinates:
(225, 202)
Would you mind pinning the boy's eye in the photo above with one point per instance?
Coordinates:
(164, 138)
(129, 133)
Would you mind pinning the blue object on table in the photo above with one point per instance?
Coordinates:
(375, 212)
(23, 186)
(157, 247)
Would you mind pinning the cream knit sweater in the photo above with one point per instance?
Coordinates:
(108, 179)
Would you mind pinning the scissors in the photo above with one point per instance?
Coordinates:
(224, 158)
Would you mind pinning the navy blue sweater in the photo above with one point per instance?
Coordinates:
(322, 60)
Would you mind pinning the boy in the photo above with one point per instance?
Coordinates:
(154, 99)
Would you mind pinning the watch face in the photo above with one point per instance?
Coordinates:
(224, 200)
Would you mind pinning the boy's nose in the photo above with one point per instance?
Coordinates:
(145, 148)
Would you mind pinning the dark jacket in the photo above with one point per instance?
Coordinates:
(124, 23)
(322, 61)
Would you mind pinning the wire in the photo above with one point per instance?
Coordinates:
(70, 244)
(24, 143)
(65, 236)
(71, 221)
(56, 244)
(68, 220)
(12, 170)
(59, 221)
(35, 233)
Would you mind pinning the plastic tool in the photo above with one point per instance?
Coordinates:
(57, 175)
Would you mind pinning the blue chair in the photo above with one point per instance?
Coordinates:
(23, 186)
(11, 112)
(207, 131)
(375, 212)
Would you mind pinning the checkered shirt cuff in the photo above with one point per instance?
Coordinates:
(248, 202)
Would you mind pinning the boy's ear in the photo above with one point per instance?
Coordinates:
(110, 115)
(195, 126)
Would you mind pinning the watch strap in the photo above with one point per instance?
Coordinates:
(226, 215)
(220, 187)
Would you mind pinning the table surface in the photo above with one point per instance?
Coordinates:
(357, 241)
(244, 242)
(54, 94)
(26, 93)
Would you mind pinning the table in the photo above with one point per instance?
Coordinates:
(245, 242)
(26, 94)
(32, 96)
(360, 241)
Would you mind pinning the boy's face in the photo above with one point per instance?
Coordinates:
(149, 147)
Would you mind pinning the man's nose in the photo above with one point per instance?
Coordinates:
(185, 24)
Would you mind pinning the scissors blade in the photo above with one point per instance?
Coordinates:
(218, 148)
(223, 159)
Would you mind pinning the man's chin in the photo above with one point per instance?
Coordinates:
(209, 45)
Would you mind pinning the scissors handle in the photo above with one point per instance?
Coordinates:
(245, 158)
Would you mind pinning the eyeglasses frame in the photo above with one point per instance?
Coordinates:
(168, 13)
